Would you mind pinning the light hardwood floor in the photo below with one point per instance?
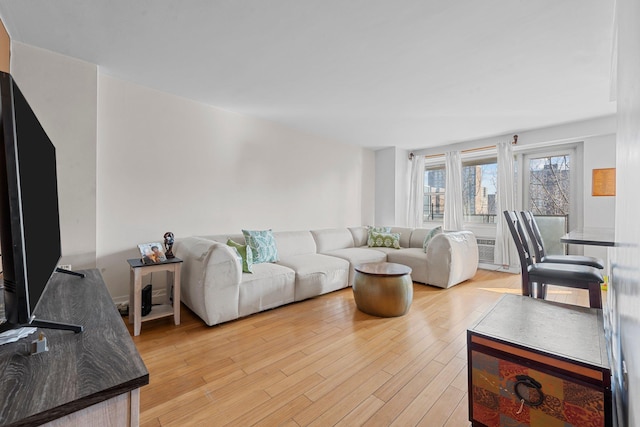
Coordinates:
(322, 362)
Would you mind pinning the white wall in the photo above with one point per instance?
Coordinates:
(599, 152)
(62, 91)
(391, 189)
(385, 186)
(624, 294)
(134, 163)
(166, 163)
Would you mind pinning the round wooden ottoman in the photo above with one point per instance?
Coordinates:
(383, 289)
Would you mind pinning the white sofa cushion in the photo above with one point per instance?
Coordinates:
(332, 239)
(360, 236)
(222, 238)
(270, 285)
(317, 274)
(210, 279)
(411, 257)
(405, 235)
(291, 243)
(357, 256)
(452, 258)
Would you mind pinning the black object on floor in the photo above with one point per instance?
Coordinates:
(146, 300)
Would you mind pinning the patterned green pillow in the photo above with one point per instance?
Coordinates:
(246, 254)
(379, 229)
(429, 236)
(262, 244)
(372, 229)
(384, 240)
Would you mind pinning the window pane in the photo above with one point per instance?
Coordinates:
(549, 185)
(479, 183)
(434, 186)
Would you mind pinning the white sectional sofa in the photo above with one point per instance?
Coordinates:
(310, 263)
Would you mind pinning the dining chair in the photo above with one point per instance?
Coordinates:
(537, 275)
(535, 237)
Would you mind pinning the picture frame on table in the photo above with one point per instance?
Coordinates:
(152, 253)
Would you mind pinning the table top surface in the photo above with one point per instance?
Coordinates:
(383, 269)
(78, 370)
(568, 331)
(137, 262)
(590, 236)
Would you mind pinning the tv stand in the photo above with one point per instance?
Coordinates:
(88, 379)
(50, 324)
(71, 272)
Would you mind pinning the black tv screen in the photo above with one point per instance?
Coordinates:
(29, 216)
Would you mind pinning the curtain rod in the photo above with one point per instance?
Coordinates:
(469, 150)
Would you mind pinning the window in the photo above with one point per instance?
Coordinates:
(549, 185)
(479, 180)
(434, 189)
(479, 183)
(549, 194)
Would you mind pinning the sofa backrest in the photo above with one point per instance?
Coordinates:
(332, 239)
(360, 235)
(294, 243)
(405, 235)
(222, 238)
(417, 237)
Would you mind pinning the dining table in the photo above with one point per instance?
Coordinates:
(592, 236)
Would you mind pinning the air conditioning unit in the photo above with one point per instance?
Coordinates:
(486, 249)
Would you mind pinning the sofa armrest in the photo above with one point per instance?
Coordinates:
(210, 279)
(452, 258)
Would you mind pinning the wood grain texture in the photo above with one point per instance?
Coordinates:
(323, 362)
(79, 370)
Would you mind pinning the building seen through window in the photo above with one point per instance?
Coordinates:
(479, 182)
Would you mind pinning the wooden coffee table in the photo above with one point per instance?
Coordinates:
(383, 289)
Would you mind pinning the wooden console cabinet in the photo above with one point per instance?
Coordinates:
(537, 363)
(92, 378)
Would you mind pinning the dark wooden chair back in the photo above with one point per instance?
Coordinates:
(535, 237)
(523, 249)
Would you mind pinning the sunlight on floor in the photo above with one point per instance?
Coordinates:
(518, 291)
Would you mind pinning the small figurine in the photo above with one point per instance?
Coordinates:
(168, 244)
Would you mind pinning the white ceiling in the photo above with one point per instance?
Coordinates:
(407, 73)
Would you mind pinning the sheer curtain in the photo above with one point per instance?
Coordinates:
(505, 251)
(453, 206)
(416, 192)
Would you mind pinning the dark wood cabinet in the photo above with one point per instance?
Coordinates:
(538, 363)
(90, 378)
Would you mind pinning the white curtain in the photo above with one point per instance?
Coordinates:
(505, 251)
(416, 192)
(453, 206)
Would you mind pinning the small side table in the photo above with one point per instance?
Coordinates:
(383, 289)
(137, 270)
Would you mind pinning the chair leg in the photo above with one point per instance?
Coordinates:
(595, 295)
(538, 290)
(543, 291)
(526, 288)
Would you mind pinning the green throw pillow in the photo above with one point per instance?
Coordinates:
(262, 244)
(384, 240)
(384, 230)
(246, 254)
(379, 229)
(429, 236)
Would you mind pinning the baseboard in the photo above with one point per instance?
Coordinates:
(500, 268)
(156, 295)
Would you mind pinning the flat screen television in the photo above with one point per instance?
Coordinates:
(29, 216)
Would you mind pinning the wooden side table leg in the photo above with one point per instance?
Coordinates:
(168, 286)
(137, 302)
(176, 294)
(132, 287)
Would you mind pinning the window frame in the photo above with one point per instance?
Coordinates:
(479, 159)
(430, 166)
